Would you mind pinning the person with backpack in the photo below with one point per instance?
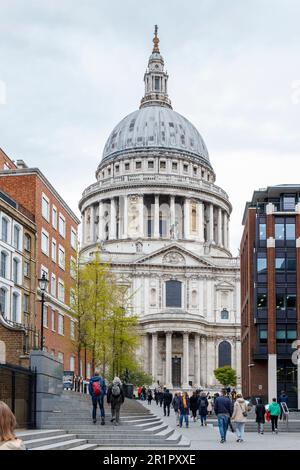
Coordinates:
(115, 397)
(167, 400)
(202, 407)
(260, 411)
(184, 409)
(239, 416)
(175, 405)
(161, 397)
(97, 390)
(149, 396)
(274, 409)
(223, 410)
(194, 405)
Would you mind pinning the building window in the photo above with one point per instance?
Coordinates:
(3, 264)
(262, 231)
(117, 168)
(60, 324)
(262, 300)
(151, 164)
(61, 291)
(53, 285)
(72, 329)
(224, 314)
(16, 263)
(138, 165)
(263, 334)
(174, 166)
(27, 242)
(195, 171)
(45, 242)
(45, 316)
(62, 225)
(60, 357)
(3, 294)
(4, 230)
(185, 168)
(156, 83)
(54, 217)
(73, 238)
(54, 253)
(26, 303)
(17, 232)
(61, 257)
(280, 264)
(224, 354)
(52, 320)
(26, 269)
(261, 265)
(173, 294)
(127, 166)
(288, 203)
(72, 363)
(162, 165)
(15, 307)
(45, 207)
(290, 231)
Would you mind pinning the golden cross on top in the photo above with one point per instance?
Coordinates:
(155, 40)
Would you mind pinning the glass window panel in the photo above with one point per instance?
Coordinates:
(290, 231)
(291, 301)
(261, 265)
(262, 231)
(280, 264)
(291, 264)
(173, 294)
(279, 231)
(280, 335)
(289, 203)
(291, 334)
(280, 301)
(262, 300)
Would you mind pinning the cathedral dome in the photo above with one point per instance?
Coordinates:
(156, 127)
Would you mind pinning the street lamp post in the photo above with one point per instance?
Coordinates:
(43, 282)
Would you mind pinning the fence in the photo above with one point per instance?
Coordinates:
(18, 391)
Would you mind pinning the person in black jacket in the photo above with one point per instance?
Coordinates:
(202, 406)
(115, 397)
(167, 400)
(223, 410)
(260, 411)
(194, 405)
(175, 404)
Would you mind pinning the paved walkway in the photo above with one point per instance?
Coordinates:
(206, 438)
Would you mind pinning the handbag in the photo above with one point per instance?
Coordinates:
(244, 413)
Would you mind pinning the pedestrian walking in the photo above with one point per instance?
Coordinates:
(274, 409)
(239, 416)
(194, 405)
(97, 390)
(184, 409)
(283, 399)
(260, 411)
(167, 400)
(144, 394)
(175, 405)
(210, 405)
(156, 396)
(223, 410)
(149, 396)
(202, 406)
(140, 392)
(8, 439)
(160, 397)
(115, 397)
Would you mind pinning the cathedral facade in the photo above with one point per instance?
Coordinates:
(157, 215)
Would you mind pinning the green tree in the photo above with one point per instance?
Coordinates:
(139, 377)
(226, 376)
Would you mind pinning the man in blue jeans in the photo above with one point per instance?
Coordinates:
(97, 390)
(223, 410)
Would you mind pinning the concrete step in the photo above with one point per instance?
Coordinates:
(64, 445)
(32, 443)
(84, 447)
(40, 433)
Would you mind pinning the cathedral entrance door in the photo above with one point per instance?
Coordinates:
(176, 372)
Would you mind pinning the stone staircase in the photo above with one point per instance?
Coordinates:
(69, 426)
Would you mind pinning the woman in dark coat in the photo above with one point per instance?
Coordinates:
(149, 396)
(260, 411)
(202, 406)
(194, 405)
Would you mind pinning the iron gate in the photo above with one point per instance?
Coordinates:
(18, 391)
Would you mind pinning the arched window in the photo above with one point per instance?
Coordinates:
(3, 264)
(27, 242)
(224, 354)
(3, 294)
(173, 294)
(4, 230)
(153, 297)
(16, 271)
(17, 237)
(224, 314)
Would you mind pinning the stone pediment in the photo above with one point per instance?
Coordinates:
(173, 255)
(224, 285)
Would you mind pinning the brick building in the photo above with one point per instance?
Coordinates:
(270, 293)
(56, 227)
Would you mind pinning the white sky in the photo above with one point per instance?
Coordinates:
(71, 70)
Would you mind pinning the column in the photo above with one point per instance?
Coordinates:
(156, 216)
(101, 221)
(145, 353)
(272, 376)
(112, 225)
(197, 361)
(169, 359)
(220, 242)
(211, 223)
(92, 223)
(154, 358)
(225, 230)
(203, 360)
(141, 216)
(185, 360)
(200, 219)
(172, 216)
(125, 217)
(186, 218)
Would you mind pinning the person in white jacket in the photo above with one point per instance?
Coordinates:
(239, 416)
(8, 439)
